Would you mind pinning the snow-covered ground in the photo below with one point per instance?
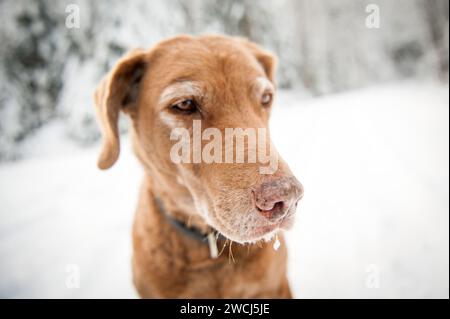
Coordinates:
(374, 221)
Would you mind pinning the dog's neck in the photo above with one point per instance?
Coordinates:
(177, 202)
(177, 208)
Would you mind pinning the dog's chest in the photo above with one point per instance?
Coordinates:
(190, 272)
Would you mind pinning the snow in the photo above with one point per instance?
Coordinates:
(374, 221)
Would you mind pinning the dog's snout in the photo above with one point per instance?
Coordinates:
(274, 198)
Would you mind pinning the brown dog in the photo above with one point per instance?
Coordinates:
(222, 82)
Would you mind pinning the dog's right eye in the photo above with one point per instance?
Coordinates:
(186, 106)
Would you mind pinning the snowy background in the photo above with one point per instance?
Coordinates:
(361, 117)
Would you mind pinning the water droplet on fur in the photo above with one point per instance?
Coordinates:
(277, 243)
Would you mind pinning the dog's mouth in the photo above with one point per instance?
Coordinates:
(266, 232)
(254, 233)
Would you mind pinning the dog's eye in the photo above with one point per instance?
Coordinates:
(186, 106)
(266, 99)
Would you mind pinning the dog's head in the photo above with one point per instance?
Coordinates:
(200, 110)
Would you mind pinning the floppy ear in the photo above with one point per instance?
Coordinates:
(118, 91)
(267, 60)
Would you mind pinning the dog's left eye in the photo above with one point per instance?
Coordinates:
(186, 106)
(266, 99)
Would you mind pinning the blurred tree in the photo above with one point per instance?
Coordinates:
(436, 15)
(48, 70)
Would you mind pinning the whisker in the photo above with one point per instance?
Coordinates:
(230, 253)
(223, 248)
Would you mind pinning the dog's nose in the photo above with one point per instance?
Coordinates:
(274, 198)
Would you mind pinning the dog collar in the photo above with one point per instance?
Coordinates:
(211, 238)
